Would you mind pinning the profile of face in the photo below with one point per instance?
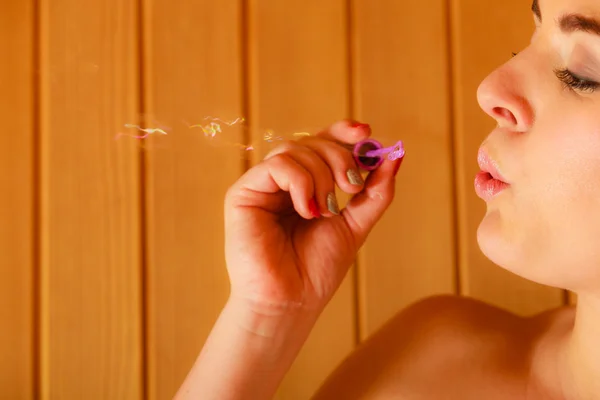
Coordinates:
(544, 223)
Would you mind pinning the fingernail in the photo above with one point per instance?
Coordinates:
(397, 167)
(359, 125)
(354, 177)
(332, 204)
(312, 207)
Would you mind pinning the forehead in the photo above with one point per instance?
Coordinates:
(559, 7)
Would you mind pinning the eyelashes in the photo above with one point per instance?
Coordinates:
(574, 82)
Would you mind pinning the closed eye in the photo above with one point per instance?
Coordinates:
(574, 82)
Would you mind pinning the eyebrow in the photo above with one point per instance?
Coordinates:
(535, 7)
(571, 22)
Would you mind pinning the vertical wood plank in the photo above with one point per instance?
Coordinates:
(299, 82)
(193, 69)
(401, 88)
(479, 46)
(17, 247)
(91, 336)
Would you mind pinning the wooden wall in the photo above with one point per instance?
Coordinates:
(111, 251)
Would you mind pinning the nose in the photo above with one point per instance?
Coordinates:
(502, 97)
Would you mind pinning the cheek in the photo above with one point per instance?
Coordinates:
(547, 228)
(566, 162)
(559, 200)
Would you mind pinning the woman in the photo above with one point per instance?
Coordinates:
(289, 246)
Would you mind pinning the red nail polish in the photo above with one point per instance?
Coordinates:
(359, 125)
(314, 210)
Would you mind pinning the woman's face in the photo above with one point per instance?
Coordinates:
(545, 224)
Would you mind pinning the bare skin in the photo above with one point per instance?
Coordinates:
(450, 347)
(288, 249)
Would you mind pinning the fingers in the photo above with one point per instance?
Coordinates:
(347, 131)
(329, 164)
(280, 172)
(320, 172)
(310, 168)
(339, 161)
(367, 208)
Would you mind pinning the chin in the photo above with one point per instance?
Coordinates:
(499, 242)
(492, 240)
(504, 245)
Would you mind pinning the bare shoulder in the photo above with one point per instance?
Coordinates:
(436, 340)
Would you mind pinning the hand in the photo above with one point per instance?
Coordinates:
(287, 245)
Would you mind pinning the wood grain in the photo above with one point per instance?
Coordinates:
(17, 180)
(475, 55)
(401, 88)
(571, 298)
(132, 271)
(299, 82)
(193, 69)
(91, 309)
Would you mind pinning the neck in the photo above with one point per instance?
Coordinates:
(581, 351)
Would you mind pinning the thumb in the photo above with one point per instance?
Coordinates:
(366, 208)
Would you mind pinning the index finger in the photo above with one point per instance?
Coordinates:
(346, 132)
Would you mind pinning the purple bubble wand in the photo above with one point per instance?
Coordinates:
(369, 153)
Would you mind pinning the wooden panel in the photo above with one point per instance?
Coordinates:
(16, 203)
(299, 82)
(507, 30)
(193, 60)
(91, 325)
(401, 89)
(571, 298)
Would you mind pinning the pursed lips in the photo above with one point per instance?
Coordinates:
(489, 182)
(489, 165)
